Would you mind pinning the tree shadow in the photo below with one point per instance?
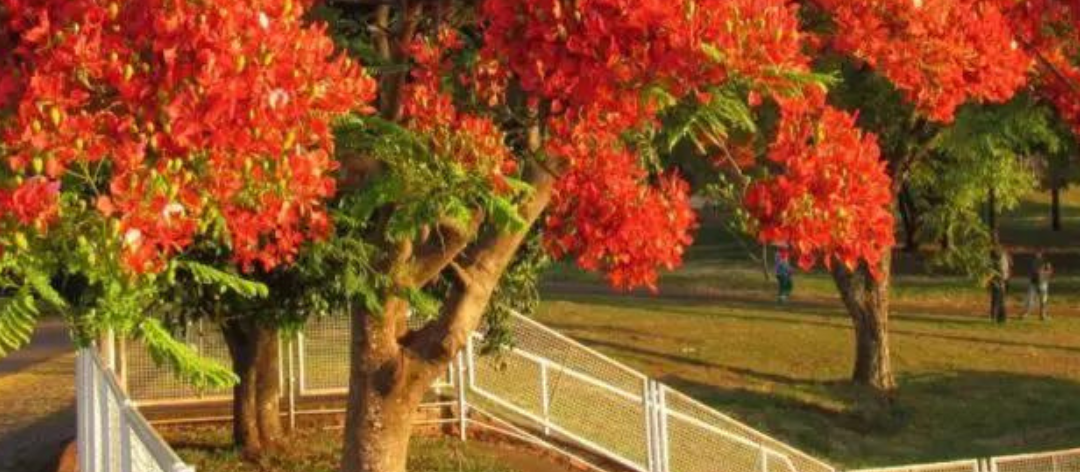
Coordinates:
(823, 320)
(37, 447)
(933, 417)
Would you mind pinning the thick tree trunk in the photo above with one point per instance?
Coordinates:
(255, 352)
(867, 302)
(1055, 206)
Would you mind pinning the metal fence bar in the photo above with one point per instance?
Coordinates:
(107, 447)
(463, 404)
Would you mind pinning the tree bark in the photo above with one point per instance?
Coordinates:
(867, 302)
(910, 219)
(255, 352)
(1055, 206)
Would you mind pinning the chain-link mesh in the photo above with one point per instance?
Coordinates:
(721, 424)
(324, 354)
(970, 465)
(147, 382)
(1059, 461)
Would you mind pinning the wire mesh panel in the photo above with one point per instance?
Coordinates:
(564, 388)
(682, 406)
(1057, 461)
(148, 382)
(324, 355)
(968, 465)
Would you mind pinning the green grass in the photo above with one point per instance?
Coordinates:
(319, 450)
(967, 387)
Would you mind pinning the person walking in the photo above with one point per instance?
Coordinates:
(999, 282)
(784, 276)
(1039, 285)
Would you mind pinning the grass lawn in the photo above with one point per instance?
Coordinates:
(967, 387)
(319, 450)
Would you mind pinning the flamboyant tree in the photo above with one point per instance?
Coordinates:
(136, 135)
(938, 55)
(523, 114)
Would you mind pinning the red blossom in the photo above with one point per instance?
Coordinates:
(196, 109)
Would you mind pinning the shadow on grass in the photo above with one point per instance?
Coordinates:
(834, 321)
(37, 446)
(931, 418)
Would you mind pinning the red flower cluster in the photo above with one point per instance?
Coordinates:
(591, 60)
(604, 213)
(181, 114)
(939, 53)
(833, 199)
(1051, 30)
(474, 141)
(33, 203)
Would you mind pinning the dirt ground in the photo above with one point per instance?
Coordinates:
(37, 401)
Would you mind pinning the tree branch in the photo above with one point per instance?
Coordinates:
(431, 258)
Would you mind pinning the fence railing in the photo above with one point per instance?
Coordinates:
(1056, 461)
(112, 436)
(546, 384)
(552, 390)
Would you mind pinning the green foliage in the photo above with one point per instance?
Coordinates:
(18, 315)
(182, 359)
(518, 292)
(206, 275)
(988, 147)
(424, 188)
(709, 124)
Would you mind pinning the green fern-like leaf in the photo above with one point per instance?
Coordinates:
(192, 368)
(208, 275)
(18, 315)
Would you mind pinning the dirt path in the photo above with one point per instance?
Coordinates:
(37, 401)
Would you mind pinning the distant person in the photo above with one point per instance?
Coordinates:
(1039, 285)
(784, 275)
(999, 282)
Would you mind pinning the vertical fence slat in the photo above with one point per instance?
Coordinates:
(463, 405)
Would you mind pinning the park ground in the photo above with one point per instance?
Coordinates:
(967, 387)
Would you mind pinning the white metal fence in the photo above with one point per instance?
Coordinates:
(1053, 461)
(112, 436)
(555, 391)
(1057, 461)
(546, 385)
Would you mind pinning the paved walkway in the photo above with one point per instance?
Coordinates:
(37, 401)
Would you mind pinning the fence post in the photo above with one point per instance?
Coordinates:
(650, 434)
(1054, 462)
(764, 459)
(545, 397)
(82, 411)
(463, 406)
(290, 347)
(662, 413)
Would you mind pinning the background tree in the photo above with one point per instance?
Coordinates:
(138, 137)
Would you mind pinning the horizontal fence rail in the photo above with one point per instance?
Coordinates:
(112, 436)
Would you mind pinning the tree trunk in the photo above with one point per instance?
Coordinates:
(255, 352)
(909, 218)
(867, 302)
(1055, 206)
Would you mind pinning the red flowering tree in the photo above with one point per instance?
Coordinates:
(541, 114)
(938, 55)
(133, 133)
